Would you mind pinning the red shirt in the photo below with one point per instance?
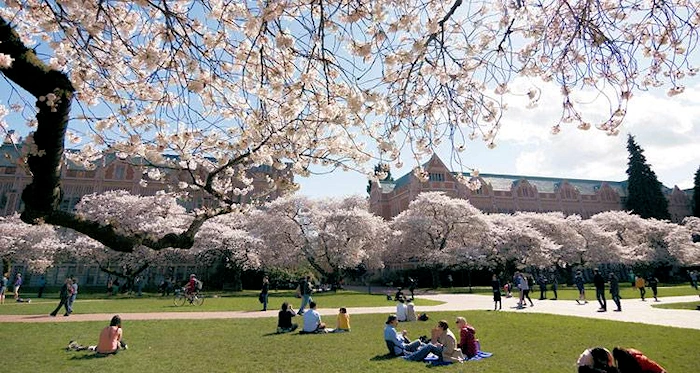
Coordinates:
(647, 365)
(467, 341)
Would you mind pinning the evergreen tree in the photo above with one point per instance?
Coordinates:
(696, 194)
(644, 195)
(380, 167)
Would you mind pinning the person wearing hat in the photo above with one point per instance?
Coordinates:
(398, 342)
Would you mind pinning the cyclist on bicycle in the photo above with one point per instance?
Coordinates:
(191, 286)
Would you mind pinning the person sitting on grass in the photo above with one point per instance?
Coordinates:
(442, 343)
(284, 319)
(401, 310)
(411, 311)
(467, 340)
(629, 360)
(343, 324)
(312, 321)
(398, 343)
(596, 360)
(110, 341)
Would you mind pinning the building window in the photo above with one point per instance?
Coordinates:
(436, 177)
(119, 172)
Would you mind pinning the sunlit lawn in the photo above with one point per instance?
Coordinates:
(570, 292)
(520, 343)
(244, 301)
(680, 306)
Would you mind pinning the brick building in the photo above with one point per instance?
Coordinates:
(111, 173)
(511, 193)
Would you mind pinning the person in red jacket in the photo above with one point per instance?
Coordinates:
(630, 360)
(467, 340)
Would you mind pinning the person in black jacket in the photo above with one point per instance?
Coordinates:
(65, 294)
(599, 283)
(615, 291)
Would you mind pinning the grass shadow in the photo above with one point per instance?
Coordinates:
(383, 357)
(89, 357)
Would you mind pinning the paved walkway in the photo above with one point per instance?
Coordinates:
(634, 310)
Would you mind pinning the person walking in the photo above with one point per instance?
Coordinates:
(42, 286)
(599, 283)
(640, 284)
(18, 284)
(525, 291)
(411, 286)
(496, 287)
(578, 280)
(615, 291)
(64, 295)
(3, 287)
(555, 286)
(73, 295)
(653, 283)
(693, 279)
(305, 290)
(264, 292)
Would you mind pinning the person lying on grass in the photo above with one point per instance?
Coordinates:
(110, 339)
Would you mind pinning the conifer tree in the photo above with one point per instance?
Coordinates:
(644, 195)
(696, 194)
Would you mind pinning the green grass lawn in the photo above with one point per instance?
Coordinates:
(680, 306)
(244, 301)
(520, 342)
(571, 293)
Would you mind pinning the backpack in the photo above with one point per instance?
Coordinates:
(423, 317)
(198, 284)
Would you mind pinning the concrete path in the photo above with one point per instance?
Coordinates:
(634, 310)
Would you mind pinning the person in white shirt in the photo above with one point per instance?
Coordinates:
(312, 320)
(401, 310)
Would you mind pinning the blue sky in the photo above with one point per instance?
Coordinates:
(667, 128)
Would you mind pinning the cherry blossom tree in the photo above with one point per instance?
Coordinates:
(331, 235)
(513, 242)
(33, 245)
(649, 241)
(436, 231)
(221, 241)
(207, 89)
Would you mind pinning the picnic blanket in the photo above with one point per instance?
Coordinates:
(435, 360)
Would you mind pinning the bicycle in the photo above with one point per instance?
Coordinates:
(181, 296)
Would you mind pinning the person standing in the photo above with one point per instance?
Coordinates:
(640, 284)
(496, 287)
(18, 284)
(599, 283)
(64, 295)
(615, 291)
(305, 290)
(449, 280)
(42, 286)
(73, 295)
(578, 280)
(411, 286)
(3, 287)
(654, 285)
(139, 285)
(542, 283)
(264, 292)
(555, 286)
(694, 279)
